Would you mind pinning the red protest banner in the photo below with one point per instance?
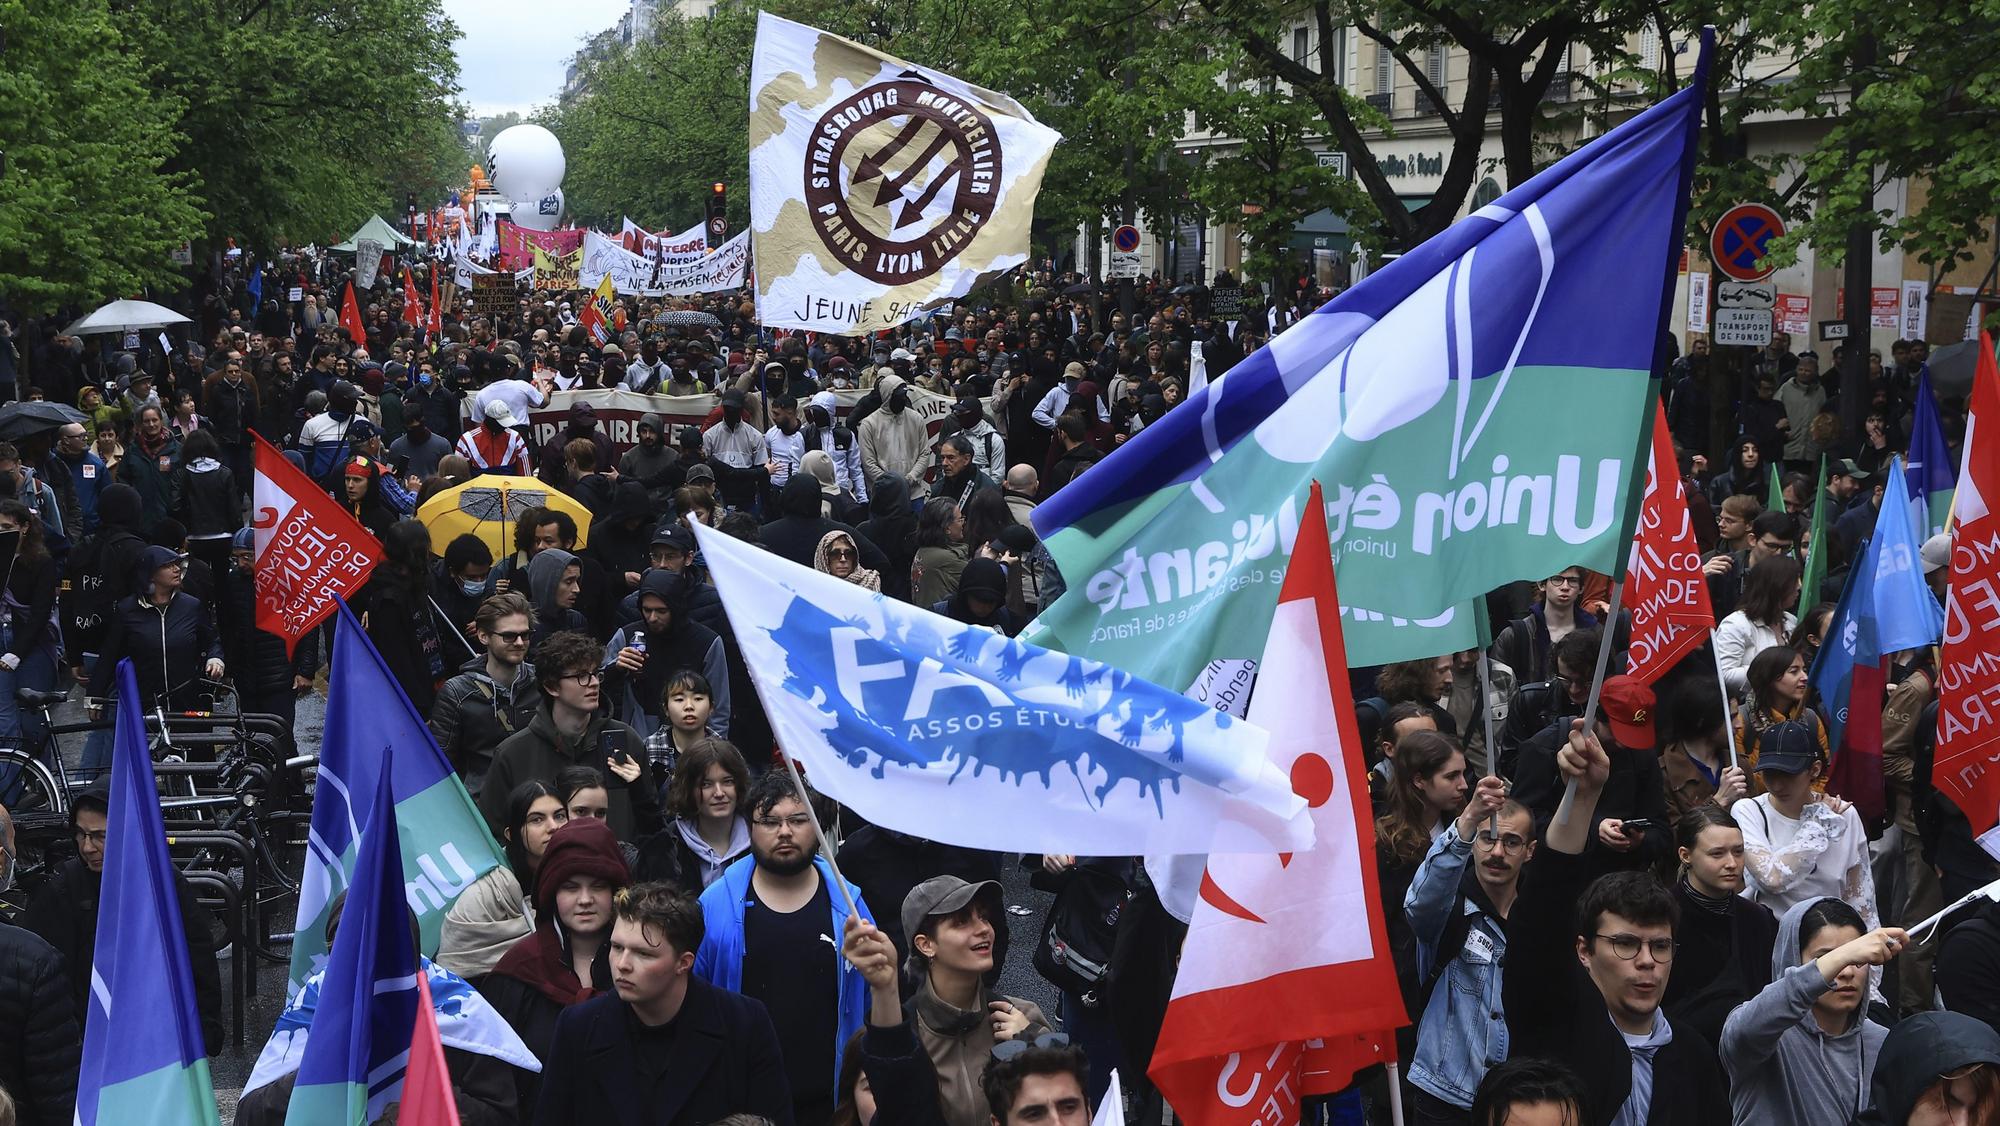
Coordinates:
(1968, 724)
(308, 549)
(1664, 587)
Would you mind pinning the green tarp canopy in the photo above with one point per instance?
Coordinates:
(380, 231)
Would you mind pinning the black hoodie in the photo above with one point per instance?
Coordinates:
(622, 535)
(892, 527)
(685, 644)
(795, 534)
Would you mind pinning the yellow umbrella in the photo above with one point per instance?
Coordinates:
(488, 506)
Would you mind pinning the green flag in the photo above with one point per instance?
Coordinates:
(1776, 501)
(1815, 573)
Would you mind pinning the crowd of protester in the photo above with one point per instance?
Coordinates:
(1709, 934)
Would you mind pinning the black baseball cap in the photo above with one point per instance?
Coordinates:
(1791, 747)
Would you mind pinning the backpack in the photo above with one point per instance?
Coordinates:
(1074, 953)
(87, 595)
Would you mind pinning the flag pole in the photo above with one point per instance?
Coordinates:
(826, 846)
(1486, 714)
(1722, 682)
(1596, 687)
(1395, 1070)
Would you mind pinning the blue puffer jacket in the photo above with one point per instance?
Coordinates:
(720, 960)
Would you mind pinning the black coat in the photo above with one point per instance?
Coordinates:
(1555, 1011)
(256, 658)
(44, 1041)
(168, 646)
(207, 502)
(902, 1077)
(796, 534)
(65, 913)
(724, 1060)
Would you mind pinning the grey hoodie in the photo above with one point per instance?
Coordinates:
(1782, 1068)
(545, 571)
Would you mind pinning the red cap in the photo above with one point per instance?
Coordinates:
(1627, 706)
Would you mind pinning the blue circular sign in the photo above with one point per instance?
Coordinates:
(1125, 239)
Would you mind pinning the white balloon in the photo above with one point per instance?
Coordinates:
(525, 162)
(539, 214)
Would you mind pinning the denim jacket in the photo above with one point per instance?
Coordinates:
(1463, 1030)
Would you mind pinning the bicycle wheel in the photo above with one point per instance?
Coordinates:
(28, 786)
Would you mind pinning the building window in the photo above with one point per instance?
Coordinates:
(1649, 47)
(1301, 45)
(1337, 64)
(1385, 78)
(1434, 69)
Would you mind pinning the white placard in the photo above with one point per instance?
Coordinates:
(1916, 309)
(1698, 302)
(1745, 327)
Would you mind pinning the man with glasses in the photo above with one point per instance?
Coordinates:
(1458, 904)
(570, 729)
(492, 696)
(774, 930)
(1588, 964)
(1771, 534)
(87, 472)
(1525, 645)
(64, 912)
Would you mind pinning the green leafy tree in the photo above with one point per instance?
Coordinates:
(297, 118)
(88, 211)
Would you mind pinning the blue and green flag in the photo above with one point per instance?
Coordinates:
(352, 1067)
(445, 842)
(1932, 474)
(1478, 411)
(152, 1065)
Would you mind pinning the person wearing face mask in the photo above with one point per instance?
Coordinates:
(417, 451)
(64, 912)
(894, 439)
(736, 450)
(269, 681)
(785, 440)
(838, 442)
(652, 462)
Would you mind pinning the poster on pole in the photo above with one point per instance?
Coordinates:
(367, 262)
(1698, 302)
(1916, 309)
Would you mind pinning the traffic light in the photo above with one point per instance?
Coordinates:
(718, 213)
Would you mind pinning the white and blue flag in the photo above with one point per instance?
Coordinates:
(956, 733)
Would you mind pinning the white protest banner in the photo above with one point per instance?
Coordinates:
(672, 251)
(367, 262)
(722, 270)
(619, 412)
(879, 189)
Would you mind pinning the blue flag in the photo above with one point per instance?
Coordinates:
(1885, 608)
(151, 1066)
(446, 845)
(957, 733)
(352, 1066)
(254, 286)
(1931, 474)
(1442, 402)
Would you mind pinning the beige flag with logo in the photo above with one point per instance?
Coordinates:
(879, 189)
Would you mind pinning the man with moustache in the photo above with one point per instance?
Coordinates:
(1458, 904)
(773, 932)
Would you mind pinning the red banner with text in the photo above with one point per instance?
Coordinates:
(309, 550)
(1664, 587)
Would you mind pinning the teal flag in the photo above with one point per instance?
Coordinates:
(1477, 412)
(151, 1066)
(444, 841)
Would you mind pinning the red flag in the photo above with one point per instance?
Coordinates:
(427, 1099)
(1969, 669)
(309, 549)
(1664, 587)
(1286, 986)
(413, 306)
(350, 318)
(435, 326)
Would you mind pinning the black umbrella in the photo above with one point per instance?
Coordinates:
(1079, 289)
(1184, 290)
(687, 318)
(24, 417)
